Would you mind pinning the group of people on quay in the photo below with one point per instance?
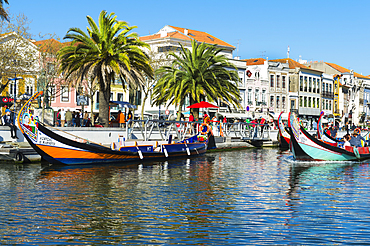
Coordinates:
(68, 118)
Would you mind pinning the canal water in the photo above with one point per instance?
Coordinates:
(248, 197)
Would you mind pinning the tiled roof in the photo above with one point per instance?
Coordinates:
(202, 37)
(170, 34)
(292, 63)
(345, 70)
(50, 45)
(192, 34)
(254, 61)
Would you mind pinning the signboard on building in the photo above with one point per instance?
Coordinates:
(82, 100)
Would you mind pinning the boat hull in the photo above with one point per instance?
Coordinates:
(57, 149)
(306, 147)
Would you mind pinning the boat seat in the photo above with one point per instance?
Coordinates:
(363, 150)
(349, 148)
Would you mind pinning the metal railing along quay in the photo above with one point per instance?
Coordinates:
(181, 129)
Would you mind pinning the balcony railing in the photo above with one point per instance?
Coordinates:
(294, 111)
(327, 94)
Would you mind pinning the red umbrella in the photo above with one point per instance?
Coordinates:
(202, 104)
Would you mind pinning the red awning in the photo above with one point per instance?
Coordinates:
(202, 104)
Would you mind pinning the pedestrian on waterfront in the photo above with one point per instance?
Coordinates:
(121, 119)
(191, 117)
(85, 118)
(346, 127)
(254, 125)
(77, 119)
(62, 117)
(206, 118)
(58, 118)
(69, 118)
(356, 139)
(8, 120)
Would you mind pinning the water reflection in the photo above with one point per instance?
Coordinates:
(258, 196)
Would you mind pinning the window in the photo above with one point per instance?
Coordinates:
(29, 89)
(309, 84)
(323, 87)
(257, 75)
(272, 101)
(329, 105)
(305, 102)
(120, 97)
(318, 86)
(330, 88)
(264, 96)
(314, 85)
(283, 102)
(12, 89)
(292, 104)
(249, 96)
(317, 102)
(65, 94)
(277, 102)
(300, 101)
(305, 83)
(256, 95)
(313, 102)
(271, 80)
(309, 102)
(277, 81)
(301, 83)
(283, 82)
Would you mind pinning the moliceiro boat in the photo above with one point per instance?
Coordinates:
(308, 148)
(57, 149)
(284, 137)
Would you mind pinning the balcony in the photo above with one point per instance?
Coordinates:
(294, 111)
(327, 94)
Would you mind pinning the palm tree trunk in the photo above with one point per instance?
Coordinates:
(195, 111)
(104, 98)
(92, 110)
(180, 110)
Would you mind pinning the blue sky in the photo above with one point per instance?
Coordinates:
(328, 30)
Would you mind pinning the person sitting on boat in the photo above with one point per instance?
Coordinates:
(356, 139)
(346, 139)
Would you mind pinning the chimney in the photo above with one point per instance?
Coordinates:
(186, 31)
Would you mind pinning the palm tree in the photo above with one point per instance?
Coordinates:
(108, 52)
(202, 73)
(3, 13)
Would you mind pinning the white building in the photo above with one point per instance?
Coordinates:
(169, 39)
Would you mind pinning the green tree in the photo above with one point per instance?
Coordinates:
(3, 14)
(202, 73)
(106, 51)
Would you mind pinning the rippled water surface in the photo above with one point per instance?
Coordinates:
(258, 196)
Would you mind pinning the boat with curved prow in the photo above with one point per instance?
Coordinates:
(284, 136)
(57, 149)
(321, 134)
(308, 148)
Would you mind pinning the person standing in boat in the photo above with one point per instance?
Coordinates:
(333, 131)
(356, 139)
(8, 120)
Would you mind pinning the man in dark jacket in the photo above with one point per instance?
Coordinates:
(356, 139)
(8, 120)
